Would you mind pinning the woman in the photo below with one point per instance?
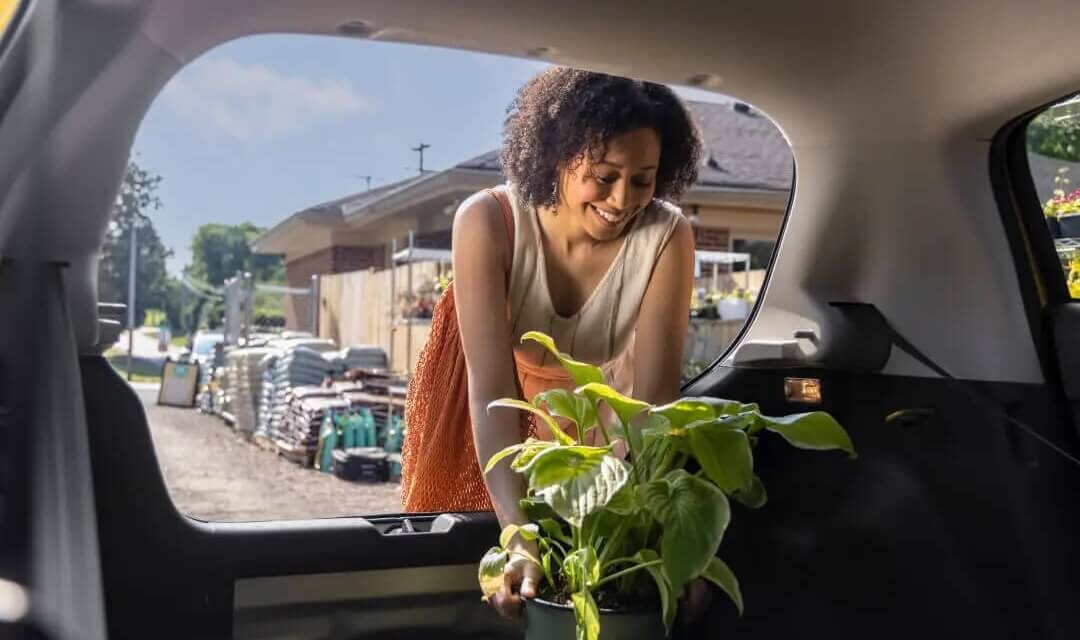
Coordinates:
(581, 245)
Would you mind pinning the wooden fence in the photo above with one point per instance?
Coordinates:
(355, 309)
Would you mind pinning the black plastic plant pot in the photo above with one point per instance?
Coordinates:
(1055, 226)
(551, 621)
(1069, 226)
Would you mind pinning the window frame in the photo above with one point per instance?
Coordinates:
(1030, 241)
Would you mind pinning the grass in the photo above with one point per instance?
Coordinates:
(179, 341)
(141, 370)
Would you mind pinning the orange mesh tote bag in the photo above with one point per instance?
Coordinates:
(439, 470)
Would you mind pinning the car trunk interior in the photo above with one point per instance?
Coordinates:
(953, 520)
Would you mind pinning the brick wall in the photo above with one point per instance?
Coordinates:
(347, 259)
(711, 238)
(327, 261)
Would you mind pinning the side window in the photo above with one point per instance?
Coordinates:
(7, 14)
(1053, 143)
(289, 203)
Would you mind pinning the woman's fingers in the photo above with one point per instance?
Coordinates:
(530, 580)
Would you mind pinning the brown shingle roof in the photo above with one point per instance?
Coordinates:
(743, 149)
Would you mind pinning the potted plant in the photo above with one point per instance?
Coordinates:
(735, 305)
(619, 539)
(1063, 214)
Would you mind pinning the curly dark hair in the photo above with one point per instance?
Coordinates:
(563, 112)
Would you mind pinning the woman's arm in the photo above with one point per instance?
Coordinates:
(481, 259)
(663, 320)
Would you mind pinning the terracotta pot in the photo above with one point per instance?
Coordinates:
(550, 621)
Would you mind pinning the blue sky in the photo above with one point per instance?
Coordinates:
(265, 126)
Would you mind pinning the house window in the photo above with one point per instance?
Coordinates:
(760, 251)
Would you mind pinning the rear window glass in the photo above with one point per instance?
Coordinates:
(1053, 142)
(292, 197)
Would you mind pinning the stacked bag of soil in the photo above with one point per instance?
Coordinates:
(246, 377)
(301, 364)
(364, 358)
(297, 436)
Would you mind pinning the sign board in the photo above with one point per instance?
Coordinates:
(179, 382)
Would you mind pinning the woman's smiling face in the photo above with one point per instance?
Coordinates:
(608, 191)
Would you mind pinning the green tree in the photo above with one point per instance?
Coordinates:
(1056, 132)
(219, 252)
(136, 199)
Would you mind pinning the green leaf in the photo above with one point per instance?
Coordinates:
(654, 426)
(694, 514)
(500, 456)
(582, 568)
(632, 435)
(727, 407)
(724, 455)
(721, 575)
(586, 616)
(525, 532)
(563, 404)
(682, 412)
(554, 530)
(578, 481)
(491, 570)
(817, 431)
(667, 598)
(624, 406)
(754, 497)
(510, 403)
(545, 564)
(507, 535)
(622, 503)
(531, 449)
(582, 372)
(535, 509)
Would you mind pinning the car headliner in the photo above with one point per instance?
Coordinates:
(889, 107)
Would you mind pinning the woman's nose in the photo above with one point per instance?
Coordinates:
(620, 195)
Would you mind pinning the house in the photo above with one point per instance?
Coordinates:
(737, 204)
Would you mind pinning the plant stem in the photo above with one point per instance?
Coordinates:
(626, 572)
(663, 467)
(616, 561)
(635, 461)
(603, 431)
(614, 540)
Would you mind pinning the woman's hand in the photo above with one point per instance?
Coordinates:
(695, 601)
(521, 579)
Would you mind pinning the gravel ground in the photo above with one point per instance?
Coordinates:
(214, 475)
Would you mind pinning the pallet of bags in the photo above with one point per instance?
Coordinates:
(298, 434)
(293, 366)
(247, 387)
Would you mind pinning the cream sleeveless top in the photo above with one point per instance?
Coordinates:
(602, 330)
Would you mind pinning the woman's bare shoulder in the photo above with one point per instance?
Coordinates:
(479, 225)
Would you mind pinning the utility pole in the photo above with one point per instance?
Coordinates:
(420, 150)
(367, 180)
(132, 262)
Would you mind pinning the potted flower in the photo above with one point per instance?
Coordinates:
(1063, 214)
(735, 305)
(618, 539)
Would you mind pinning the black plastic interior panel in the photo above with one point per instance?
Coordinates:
(949, 523)
(953, 524)
(1065, 325)
(168, 576)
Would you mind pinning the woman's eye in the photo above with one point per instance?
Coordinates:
(607, 179)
